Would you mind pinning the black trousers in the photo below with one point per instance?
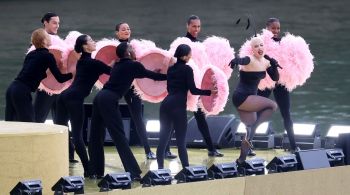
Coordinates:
(203, 128)
(173, 116)
(282, 98)
(73, 110)
(105, 113)
(43, 103)
(19, 103)
(135, 107)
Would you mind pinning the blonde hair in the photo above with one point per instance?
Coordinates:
(38, 38)
(255, 40)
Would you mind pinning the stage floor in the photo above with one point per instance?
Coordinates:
(196, 157)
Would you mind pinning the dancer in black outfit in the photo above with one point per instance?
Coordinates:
(134, 102)
(173, 108)
(280, 93)
(193, 29)
(18, 96)
(106, 111)
(43, 101)
(245, 99)
(70, 104)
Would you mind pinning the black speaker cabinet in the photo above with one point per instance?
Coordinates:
(157, 177)
(192, 174)
(343, 142)
(283, 163)
(126, 117)
(312, 159)
(222, 130)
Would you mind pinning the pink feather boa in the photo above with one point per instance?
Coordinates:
(158, 87)
(214, 105)
(199, 54)
(220, 53)
(292, 53)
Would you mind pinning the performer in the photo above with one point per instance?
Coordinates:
(280, 93)
(123, 33)
(43, 101)
(18, 96)
(253, 68)
(106, 111)
(193, 29)
(70, 104)
(173, 108)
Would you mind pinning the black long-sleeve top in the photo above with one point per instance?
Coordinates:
(192, 38)
(180, 80)
(87, 72)
(34, 68)
(125, 71)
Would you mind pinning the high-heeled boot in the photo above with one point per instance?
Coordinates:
(245, 147)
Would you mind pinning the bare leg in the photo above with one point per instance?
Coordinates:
(248, 114)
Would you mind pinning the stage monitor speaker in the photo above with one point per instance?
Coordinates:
(192, 174)
(223, 170)
(157, 177)
(115, 181)
(335, 157)
(344, 143)
(253, 166)
(32, 187)
(312, 159)
(283, 163)
(222, 130)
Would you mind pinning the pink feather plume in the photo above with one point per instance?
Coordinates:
(199, 54)
(149, 90)
(218, 79)
(220, 53)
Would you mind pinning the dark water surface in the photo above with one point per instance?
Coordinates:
(324, 24)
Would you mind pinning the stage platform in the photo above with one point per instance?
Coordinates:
(317, 181)
(37, 151)
(32, 151)
(334, 181)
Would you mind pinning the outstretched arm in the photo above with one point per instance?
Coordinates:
(143, 72)
(192, 86)
(239, 61)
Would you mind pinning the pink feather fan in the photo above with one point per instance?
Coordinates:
(220, 53)
(73, 56)
(199, 54)
(142, 46)
(213, 77)
(297, 62)
(105, 52)
(155, 59)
